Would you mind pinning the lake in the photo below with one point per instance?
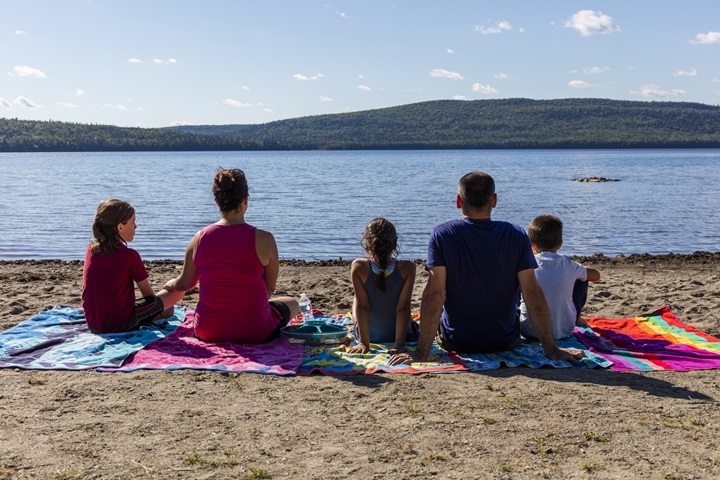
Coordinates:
(318, 203)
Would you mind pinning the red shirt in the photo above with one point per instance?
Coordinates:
(233, 305)
(108, 295)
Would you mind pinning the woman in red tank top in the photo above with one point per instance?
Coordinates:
(237, 266)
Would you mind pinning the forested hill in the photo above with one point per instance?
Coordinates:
(33, 136)
(511, 123)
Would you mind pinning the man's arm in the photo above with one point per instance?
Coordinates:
(540, 317)
(433, 298)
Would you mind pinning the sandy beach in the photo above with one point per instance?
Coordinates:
(509, 423)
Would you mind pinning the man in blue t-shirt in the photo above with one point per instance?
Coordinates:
(477, 268)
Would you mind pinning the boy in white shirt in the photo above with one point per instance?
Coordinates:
(563, 281)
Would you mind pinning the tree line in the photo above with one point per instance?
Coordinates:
(443, 124)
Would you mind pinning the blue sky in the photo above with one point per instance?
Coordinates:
(153, 63)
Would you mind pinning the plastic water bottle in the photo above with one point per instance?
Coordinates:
(306, 308)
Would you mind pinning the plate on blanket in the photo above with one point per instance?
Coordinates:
(316, 334)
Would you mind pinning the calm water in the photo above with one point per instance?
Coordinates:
(318, 203)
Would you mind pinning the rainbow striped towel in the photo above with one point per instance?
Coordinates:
(655, 341)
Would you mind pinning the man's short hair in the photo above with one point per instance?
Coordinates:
(476, 190)
(545, 232)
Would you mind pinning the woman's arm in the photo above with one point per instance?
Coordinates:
(267, 253)
(188, 277)
(402, 312)
(361, 305)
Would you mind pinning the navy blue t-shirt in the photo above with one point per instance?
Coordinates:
(482, 259)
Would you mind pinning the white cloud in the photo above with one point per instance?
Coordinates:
(79, 92)
(580, 84)
(589, 22)
(116, 106)
(706, 38)
(655, 91)
(504, 25)
(441, 72)
(20, 32)
(134, 60)
(324, 98)
(498, 28)
(596, 70)
(25, 71)
(301, 77)
(169, 61)
(179, 123)
(686, 73)
(501, 76)
(67, 105)
(5, 104)
(485, 89)
(632, 68)
(236, 103)
(25, 102)
(247, 89)
(459, 97)
(343, 15)
(450, 51)
(364, 88)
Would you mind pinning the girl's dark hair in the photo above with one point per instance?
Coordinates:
(230, 188)
(110, 213)
(380, 240)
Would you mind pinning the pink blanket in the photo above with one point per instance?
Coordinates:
(182, 349)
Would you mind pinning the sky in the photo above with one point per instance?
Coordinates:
(157, 63)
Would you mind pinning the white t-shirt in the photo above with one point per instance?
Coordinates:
(556, 275)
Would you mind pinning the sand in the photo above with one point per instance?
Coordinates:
(509, 423)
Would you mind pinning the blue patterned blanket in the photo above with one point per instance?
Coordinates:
(60, 339)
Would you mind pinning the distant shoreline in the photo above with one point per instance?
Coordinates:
(498, 124)
(596, 259)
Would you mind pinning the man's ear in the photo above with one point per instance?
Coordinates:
(494, 200)
(458, 202)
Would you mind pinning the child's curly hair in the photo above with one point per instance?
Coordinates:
(110, 213)
(380, 240)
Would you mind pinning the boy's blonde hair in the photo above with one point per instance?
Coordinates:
(546, 232)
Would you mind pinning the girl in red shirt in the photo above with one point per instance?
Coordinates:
(110, 273)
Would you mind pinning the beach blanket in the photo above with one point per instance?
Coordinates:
(59, 339)
(182, 350)
(532, 355)
(655, 341)
(335, 361)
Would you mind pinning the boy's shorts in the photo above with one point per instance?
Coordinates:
(145, 311)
